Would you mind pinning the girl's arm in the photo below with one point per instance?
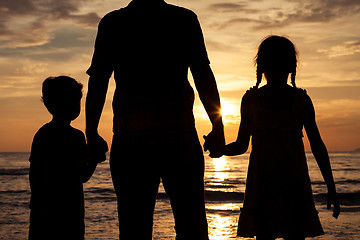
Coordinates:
(320, 152)
(241, 144)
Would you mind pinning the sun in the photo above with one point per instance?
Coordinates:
(229, 109)
(230, 112)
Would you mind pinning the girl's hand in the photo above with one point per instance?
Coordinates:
(333, 200)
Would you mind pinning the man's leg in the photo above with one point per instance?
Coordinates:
(183, 180)
(136, 185)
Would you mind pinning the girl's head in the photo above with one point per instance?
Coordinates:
(276, 55)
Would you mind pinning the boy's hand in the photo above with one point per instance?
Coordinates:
(97, 147)
(333, 200)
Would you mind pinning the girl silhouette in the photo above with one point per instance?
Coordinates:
(278, 197)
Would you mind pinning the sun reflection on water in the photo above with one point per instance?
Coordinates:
(222, 216)
(221, 227)
(218, 174)
(221, 168)
(226, 206)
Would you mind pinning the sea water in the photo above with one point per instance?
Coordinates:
(225, 184)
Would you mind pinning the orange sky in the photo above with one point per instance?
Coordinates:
(40, 39)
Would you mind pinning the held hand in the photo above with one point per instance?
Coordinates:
(97, 147)
(215, 143)
(333, 200)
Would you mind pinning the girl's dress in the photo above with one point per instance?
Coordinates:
(278, 198)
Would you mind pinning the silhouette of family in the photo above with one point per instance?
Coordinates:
(150, 46)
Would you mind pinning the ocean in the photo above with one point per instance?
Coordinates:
(225, 184)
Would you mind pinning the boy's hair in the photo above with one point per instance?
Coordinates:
(276, 54)
(60, 92)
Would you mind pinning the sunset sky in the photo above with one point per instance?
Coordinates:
(41, 38)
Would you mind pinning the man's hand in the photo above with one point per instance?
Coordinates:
(97, 147)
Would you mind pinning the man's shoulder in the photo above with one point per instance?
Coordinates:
(113, 15)
(180, 10)
(182, 13)
(172, 9)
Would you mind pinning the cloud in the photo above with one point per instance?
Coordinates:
(345, 49)
(322, 11)
(32, 34)
(32, 69)
(339, 112)
(26, 23)
(216, 45)
(88, 20)
(293, 12)
(353, 82)
(232, 7)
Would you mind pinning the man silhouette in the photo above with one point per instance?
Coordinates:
(150, 45)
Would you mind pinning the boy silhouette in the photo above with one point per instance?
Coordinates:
(59, 165)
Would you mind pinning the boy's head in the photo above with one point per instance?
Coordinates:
(61, 96)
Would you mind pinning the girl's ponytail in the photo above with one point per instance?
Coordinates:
(293, 75)
(259, 74)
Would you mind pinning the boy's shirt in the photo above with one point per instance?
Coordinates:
(57, 157)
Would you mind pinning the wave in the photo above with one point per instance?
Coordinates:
(15, 192)
(346, 199)
(347, 181)
(345, 169)
(102, 191)
(14, 171)
(351, 200)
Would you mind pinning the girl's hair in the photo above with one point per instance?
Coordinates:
(276, 54)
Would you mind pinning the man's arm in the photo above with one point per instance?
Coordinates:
(94, 105)
(100, 72)
(206, 86)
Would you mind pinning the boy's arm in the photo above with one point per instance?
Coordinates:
(88, 170)
(320, 152)
(38, 176)
(88, 165)
(206, 86)
(241, 144)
